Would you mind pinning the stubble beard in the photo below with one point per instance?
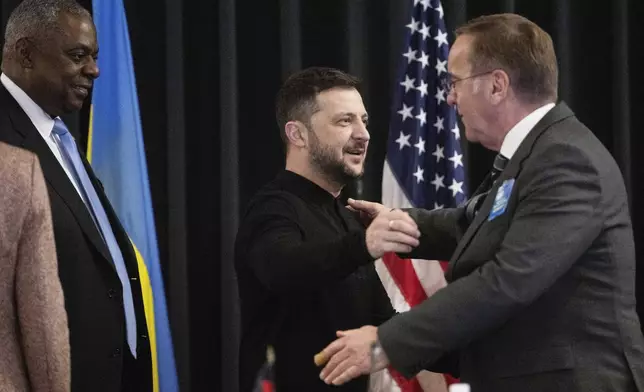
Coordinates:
(324, 161)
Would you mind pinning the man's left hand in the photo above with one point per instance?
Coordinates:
(350, 356)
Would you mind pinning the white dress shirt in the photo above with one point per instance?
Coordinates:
(44, 124)
(515, 136)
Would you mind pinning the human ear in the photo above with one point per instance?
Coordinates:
(500, 85)
(296, 134)
(23, 50)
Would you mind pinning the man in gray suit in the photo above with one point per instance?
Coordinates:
(541, 292)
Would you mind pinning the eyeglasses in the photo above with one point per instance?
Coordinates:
(448, 81)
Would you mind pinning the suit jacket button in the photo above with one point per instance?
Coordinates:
(111, 293)
(144, 336)
(116, 353)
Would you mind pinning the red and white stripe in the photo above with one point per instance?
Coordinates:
(408, 282)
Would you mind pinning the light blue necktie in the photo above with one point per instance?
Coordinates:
(100, 217)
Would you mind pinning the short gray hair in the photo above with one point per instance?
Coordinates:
(38, 18)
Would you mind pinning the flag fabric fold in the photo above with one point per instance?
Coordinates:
(423, 165)
(117, 155)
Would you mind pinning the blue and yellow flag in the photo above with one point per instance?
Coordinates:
(117, 155)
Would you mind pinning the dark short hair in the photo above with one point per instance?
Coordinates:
(38, 19)
(297, 99)
(519, 47)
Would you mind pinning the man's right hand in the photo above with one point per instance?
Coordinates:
(391, 231)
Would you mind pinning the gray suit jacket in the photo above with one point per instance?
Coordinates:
(542, 297)
(34, 338)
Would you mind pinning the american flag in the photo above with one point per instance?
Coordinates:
(424, 163)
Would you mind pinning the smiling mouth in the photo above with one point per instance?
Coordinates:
(81, 89)
(356, 152)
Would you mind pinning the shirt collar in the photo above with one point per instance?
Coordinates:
(305, 188)
(41, 120)
(515, 136)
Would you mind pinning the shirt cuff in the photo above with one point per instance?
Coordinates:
(379, 358)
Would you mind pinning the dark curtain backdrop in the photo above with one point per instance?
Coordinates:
(207, 73)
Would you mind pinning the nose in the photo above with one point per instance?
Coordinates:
(360, 132)
(451, 97)
(91, 69)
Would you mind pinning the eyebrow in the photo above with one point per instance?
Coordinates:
(350, 114)
(83, 47)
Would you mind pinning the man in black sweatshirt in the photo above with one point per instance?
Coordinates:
(304, 261)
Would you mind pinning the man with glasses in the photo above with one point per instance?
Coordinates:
(541, 293)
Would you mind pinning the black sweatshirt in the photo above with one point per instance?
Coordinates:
(304, 273)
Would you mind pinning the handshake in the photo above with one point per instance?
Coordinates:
(389, 230)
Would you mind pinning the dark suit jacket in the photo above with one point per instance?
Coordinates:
(542, 297)
(90, 284)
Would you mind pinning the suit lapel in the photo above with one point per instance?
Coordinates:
(53, 171)
(512, 170)
(481, 216)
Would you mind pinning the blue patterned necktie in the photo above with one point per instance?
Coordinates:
(70, 151)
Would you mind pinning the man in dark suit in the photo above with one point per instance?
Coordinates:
(541, 278)
(49, 64)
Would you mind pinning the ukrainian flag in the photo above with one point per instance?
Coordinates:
(117, 155)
